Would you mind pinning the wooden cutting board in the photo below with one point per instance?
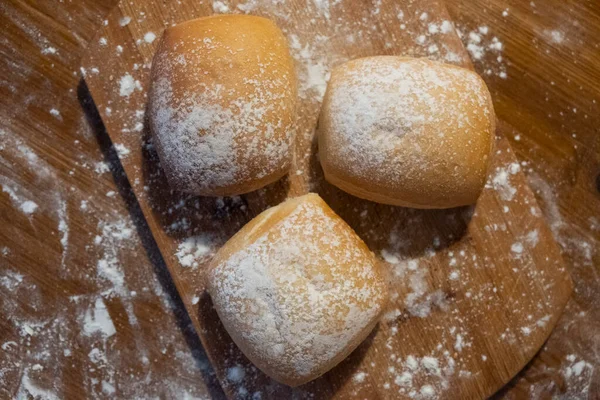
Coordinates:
(476, 290)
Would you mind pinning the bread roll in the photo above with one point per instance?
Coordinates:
(222, 104)
(297, 290)
(407, 132)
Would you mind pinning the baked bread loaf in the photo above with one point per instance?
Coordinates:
(222, 104)
(297, 289)
(407, 132)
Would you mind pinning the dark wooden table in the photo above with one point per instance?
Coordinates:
(71, 231)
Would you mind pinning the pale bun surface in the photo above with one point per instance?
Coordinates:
(297, 289)
(222, 104)
(407, 132)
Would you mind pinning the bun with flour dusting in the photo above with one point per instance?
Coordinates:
(407, 132)
(297, 290)
(222, 104)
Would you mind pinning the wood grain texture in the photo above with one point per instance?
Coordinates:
(56, 309)
(537, 98)
(481, 328)
(551, 50)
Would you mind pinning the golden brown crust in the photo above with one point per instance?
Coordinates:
(222, 104)
(408, 132)
(297, 290)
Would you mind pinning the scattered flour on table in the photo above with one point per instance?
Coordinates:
(516, 248)
(122, 150)
(97, 356)
(113, 236)
(359, 377)
(125, 21)
(552, 212)
(436, 371)
(501, 182)
(10, 280)
(576, 368)
(323, 7)
(101, 167)
(27, 389)
(47, 328)
(555, 36)
(108, 389)
(149, 37)
(578, 375)
(315, 77)
(27, 207)
(63, 228)
(236, 374)
(532, 237)
(220, 7)
(248, 7)
(485, 50)
(127, 85)
(422, 298)
(49, 50)
(314, 73)
(34, 163)
(98, 320)
(109, 269)
(193, 250)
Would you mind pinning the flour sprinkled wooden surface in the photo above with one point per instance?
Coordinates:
(468, 310)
